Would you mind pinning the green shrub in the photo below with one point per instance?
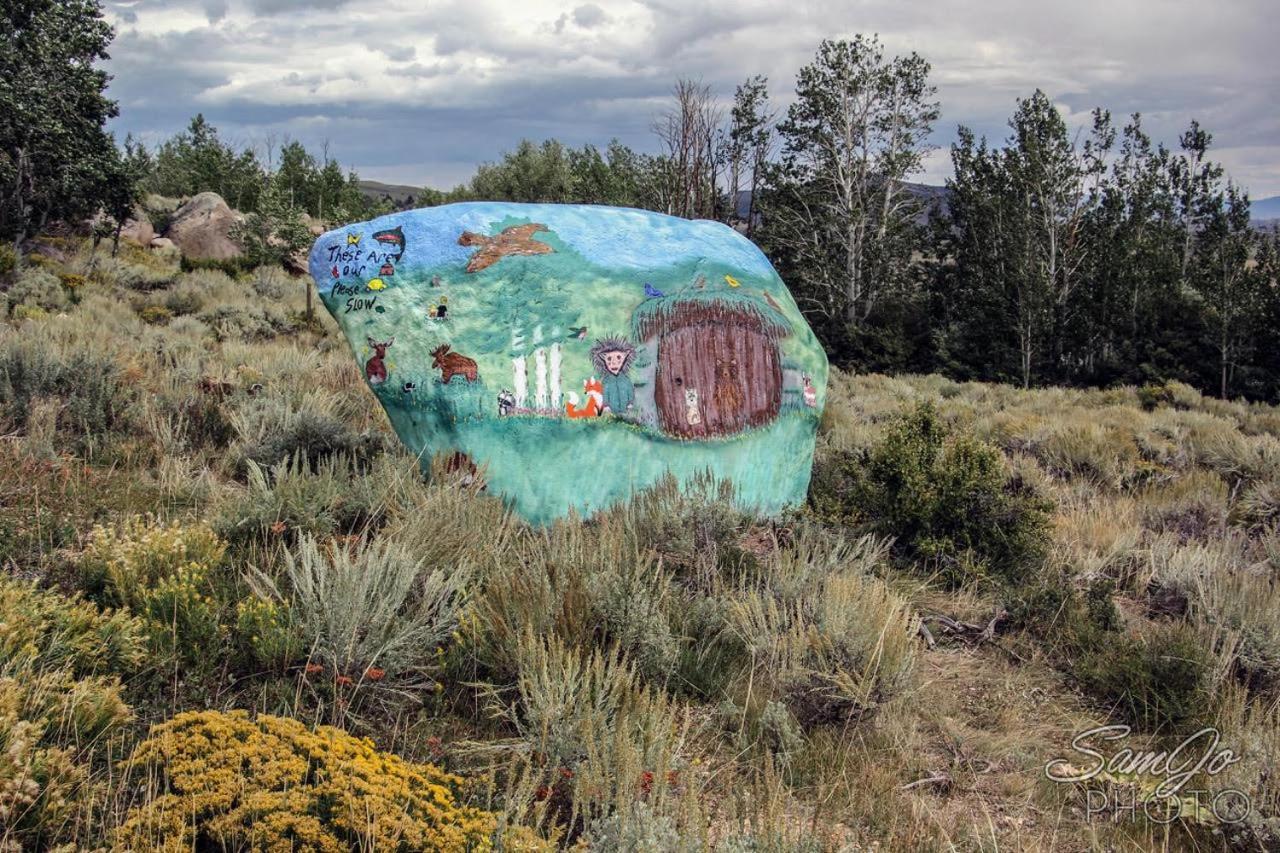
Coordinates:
(833, 656)
(600, 739)
(368, 605)
(947, 500)
(291, 499)
(272, 283)
(231, 266)
(246, 322)
(183, 300)
(1157, 680)
(155, 315)
(269, 633)
(587, 585)
(1152, 396)
(37, 288)
(95, 400)
(41, 626)
(314, 439)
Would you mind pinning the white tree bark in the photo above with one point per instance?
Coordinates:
(520, 372)
(555, 376)
(540, 378)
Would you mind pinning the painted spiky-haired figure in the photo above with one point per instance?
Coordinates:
(612, 357)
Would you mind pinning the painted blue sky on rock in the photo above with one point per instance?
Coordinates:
(420, 93)
(633, 239)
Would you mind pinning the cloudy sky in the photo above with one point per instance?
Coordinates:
(420, 91)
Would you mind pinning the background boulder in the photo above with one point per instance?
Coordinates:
(202, 228)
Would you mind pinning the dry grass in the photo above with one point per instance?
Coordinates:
(671, 674)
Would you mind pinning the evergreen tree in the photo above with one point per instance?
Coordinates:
(56, 160)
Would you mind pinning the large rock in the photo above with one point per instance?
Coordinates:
(138, 228)
(580, 353)
(202, 227)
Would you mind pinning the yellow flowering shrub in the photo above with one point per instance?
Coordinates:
(140, 551)
(231, 782)
(58, 707)
(162, 572)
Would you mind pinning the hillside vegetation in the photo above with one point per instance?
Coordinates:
(217, 560)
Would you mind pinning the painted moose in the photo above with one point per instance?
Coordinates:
(452, 364)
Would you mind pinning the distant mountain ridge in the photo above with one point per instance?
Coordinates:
(1265, 209)
(398, 193)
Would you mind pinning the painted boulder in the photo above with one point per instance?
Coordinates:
(580, 353)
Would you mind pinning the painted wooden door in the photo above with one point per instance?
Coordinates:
(716, 380)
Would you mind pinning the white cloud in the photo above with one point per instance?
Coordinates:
(448, 83)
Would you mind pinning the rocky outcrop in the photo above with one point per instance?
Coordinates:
(202, 228)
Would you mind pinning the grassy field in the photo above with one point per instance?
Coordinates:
(234, 614)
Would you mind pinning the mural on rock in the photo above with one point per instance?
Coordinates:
(579, 353)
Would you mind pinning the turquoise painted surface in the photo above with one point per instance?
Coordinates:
(525, 326)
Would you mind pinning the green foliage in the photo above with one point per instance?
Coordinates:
(232, 267)
(56, 158)
(292, 498)
(842, 242)
(1157, 681)
(93, 399)
(269, 633)
(832, 650)
(312, 439)
(601, 738)
(41, 626)
(197, 160)
(553, 172)
(363, 605)
(246, 322)
(948, 500)
(274, 233)
(36, 288)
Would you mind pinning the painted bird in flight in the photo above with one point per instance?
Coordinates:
(651, 292)
(580, 333)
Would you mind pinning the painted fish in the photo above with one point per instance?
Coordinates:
(392, 237)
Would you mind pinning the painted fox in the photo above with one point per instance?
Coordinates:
(594, 389)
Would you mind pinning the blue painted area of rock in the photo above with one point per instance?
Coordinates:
(580, 353)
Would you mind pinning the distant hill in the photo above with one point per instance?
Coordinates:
(1265, 209)
(399, 193)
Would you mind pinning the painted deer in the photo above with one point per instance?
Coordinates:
(452, 364)
(375, 369)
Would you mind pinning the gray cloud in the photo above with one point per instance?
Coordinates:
(420, 92)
